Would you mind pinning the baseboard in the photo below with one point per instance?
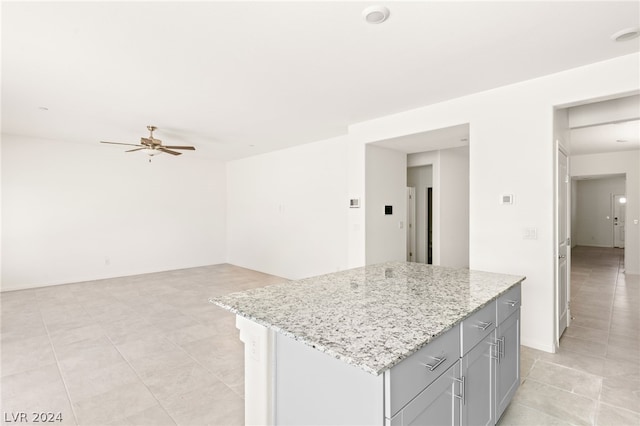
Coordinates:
(550, 348)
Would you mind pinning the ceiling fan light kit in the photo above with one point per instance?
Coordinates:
(152, 146)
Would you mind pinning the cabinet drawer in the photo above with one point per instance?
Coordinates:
(508, 303)
(478, 326)
(436, 405)
(407, 379)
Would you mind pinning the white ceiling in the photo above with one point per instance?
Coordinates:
(241, 78)
(604, 138)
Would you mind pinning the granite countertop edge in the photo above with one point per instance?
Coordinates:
(340, 355)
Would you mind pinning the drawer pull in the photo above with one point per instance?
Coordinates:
(462, 390)
(483, 325)
(497, 355)
(511, 303)
(439, 361)
(501, 347)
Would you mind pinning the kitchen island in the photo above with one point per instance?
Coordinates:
(393, 343)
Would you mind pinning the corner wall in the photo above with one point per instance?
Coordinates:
(594, 220)
(450, 204)
(288, 210)
(386, 183)
(78, 212)
(627, 162)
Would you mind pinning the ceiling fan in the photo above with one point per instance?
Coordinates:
(153, 146)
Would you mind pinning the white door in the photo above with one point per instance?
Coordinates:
(619, 204)
(411, 224)
(563, 240)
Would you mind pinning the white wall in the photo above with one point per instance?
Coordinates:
(627, 162)
(594, 221)
(77, 212)
(574, 211)
(420, 178)
(288, 210)
(386, 183)
(450, 204)
(512, 152)
(454, 207)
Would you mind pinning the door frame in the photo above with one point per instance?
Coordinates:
(559, 148)
(411, 224)
(614, 198)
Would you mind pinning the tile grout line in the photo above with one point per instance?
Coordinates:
(140, 379)
(596, 402)
(55, 356)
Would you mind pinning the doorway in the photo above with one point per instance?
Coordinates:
(419, 214)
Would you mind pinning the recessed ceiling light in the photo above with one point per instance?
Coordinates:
(375, 14)
(621, 140)
(43, 108)
(626, 34)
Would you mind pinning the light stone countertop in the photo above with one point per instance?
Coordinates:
(371, 317)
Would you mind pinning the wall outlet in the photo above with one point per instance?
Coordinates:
(530, 234)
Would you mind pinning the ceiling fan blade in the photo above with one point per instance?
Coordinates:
(179, 147)
(137, 149)
(120, 143)
(168, 151)
(150, 142)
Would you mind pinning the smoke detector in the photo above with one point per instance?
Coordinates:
(375, 14)
(626, 34)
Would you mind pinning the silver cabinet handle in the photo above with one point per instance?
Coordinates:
(439, 361)
(501, 347)
(462, 395)
(511, 303)
(483, 325)
(497, 355)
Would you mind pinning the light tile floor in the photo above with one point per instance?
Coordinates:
(594, 379)
(150, 350)
(142, 350)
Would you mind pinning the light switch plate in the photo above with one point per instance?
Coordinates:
(506, 199)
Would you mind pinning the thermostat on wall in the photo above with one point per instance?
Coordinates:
(506, 199)
(354, 203)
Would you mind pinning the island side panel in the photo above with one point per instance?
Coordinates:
(259, 366)
(314, 388)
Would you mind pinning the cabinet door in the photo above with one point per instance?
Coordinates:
(508, 371)
(437, 405)
(478, 369)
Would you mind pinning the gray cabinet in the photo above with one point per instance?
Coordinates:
(465, 376)
(410, 377)
(491, 359)
(508, 361)
(438, 404)
(478, 370)
(478, 367)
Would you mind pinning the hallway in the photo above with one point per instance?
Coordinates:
(594, 379)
